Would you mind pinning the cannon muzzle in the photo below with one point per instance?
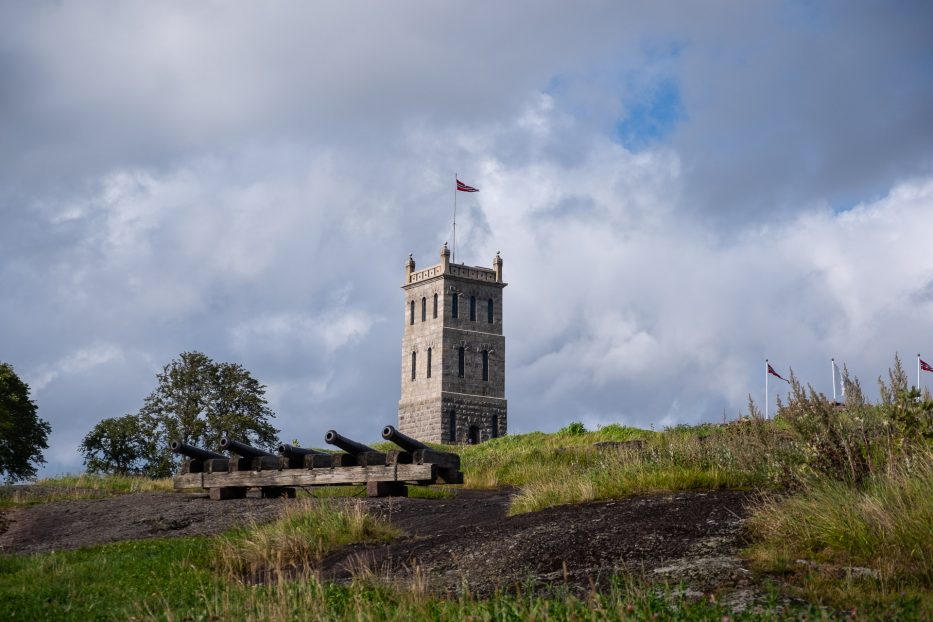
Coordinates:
(346, 444)
(242, 449)
(196, 453)
(407, 443)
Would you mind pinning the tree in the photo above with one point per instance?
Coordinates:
(23, 435)
(120, 445)
(199, 402)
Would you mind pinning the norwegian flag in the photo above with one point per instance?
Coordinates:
(925, 366)
(774, 373)
(462, 187)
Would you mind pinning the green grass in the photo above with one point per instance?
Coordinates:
(84, 486)
(177, 579)
(567, 467)
(886, 526)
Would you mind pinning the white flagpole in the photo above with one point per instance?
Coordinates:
(918, 372)
(766, 389)
(454, 253)
(833, 363)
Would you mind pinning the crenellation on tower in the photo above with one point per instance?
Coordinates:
(453, 353)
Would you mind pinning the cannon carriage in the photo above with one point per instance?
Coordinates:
(385, 473)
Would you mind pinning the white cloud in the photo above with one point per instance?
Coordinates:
(80, 361)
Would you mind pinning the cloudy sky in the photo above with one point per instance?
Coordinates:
(678, 191)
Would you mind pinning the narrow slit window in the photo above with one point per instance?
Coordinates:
(452, 427)
(485, 366)
(461, 356)
(472, 308)
(424, 309)
(454, 306)
(435, 306)
(495, 426)
(429, 362)
(411, 313)
(414, 364)
(489, 311)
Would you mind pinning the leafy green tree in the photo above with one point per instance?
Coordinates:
(199, 401)
(23, 435)
(120, 445)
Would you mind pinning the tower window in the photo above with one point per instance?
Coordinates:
(485, 365)
(489, 311)
(435, 306)
(454, 306)
(472, 308)
(452, 427)
(424, 309)
(411, 313)
(429, 362)
(495, 426)
(461, 355)
(414, 365)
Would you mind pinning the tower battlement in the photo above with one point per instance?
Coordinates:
(453, 353)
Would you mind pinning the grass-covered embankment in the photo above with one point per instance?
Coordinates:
(572, 466)
(84, 486)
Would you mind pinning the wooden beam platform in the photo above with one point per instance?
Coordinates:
(411, 473)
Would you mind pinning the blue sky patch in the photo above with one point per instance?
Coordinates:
(651, 115)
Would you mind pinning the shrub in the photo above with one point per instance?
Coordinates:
(574, 428)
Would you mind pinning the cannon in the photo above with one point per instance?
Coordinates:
(195, 453)
(407, 443)
(298, 457)
(251, 458)
(296, 452)
(199, 460)
(357, 454)
(242, 449)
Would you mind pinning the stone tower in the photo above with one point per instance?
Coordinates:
(453, 353)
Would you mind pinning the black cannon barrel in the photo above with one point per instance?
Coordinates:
(346, 444)
(242, 449)
(296, 452)
(405, 442)
(194, 452)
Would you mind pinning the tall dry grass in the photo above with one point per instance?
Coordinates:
(308, 530)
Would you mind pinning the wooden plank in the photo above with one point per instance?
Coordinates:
(418, 473)
(189, 480)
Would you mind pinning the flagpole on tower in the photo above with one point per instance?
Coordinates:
(833, 363)
(918, 372)
(453, 257)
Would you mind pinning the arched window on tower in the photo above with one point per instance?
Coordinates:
(429, 362)
(454, 306)
(489, 311)
(424, 309)
(461, 356)
(411, 313)
(414, 359)
(435, 306)
(485, 365)
(472, 308)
